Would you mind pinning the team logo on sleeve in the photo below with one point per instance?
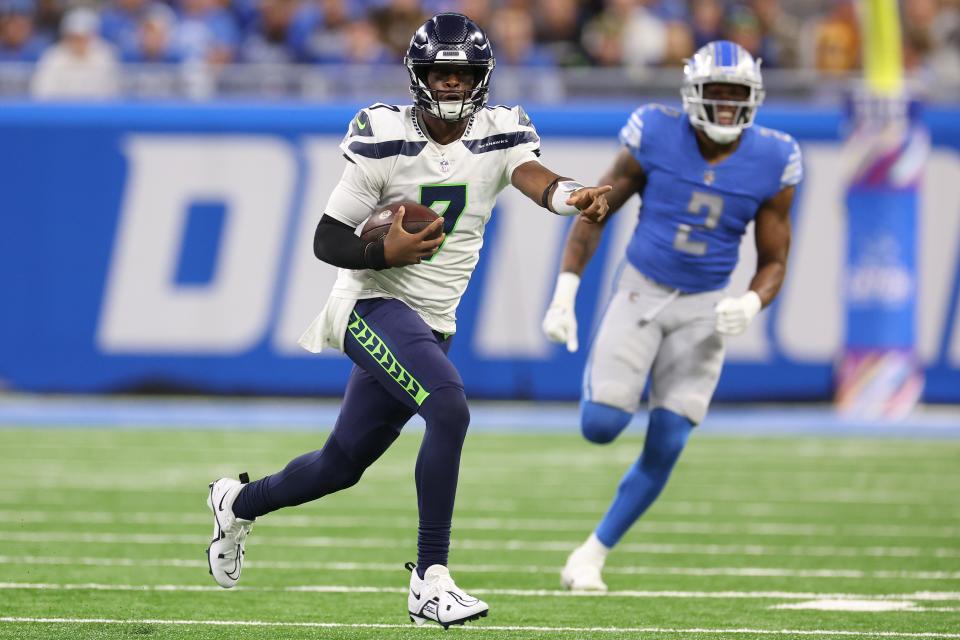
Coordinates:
(523, 119)
(360, 125)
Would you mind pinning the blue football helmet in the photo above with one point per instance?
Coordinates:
(721, 61)
(454, 39)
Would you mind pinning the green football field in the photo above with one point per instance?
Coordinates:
(103, 534)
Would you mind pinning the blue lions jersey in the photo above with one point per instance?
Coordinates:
(693, 213)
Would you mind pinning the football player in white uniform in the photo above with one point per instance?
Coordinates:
(393, 308)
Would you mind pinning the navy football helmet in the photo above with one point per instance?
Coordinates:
(449, 39)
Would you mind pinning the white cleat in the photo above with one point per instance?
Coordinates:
(438, 598)
(582, 571)
(225, 553)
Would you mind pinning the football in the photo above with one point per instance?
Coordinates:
(415, 218)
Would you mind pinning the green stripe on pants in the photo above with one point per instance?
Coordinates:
(377, 348)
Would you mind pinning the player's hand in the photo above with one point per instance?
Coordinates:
(591, 202)
(735, 314)
(560, 321)
(401, 248)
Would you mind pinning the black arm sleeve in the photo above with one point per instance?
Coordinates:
(335, 243)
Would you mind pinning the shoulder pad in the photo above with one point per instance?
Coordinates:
(779, 136)
(377, 121)
(657, 109)
(506, 118)
(522, 118)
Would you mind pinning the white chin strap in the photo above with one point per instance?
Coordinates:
(722, 134)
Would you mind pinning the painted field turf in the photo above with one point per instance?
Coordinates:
(102, 535)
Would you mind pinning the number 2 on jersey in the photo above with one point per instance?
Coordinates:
(453, 196)
(698, 202)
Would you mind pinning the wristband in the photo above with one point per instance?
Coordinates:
(559, 201)
(565, 293)
(545, 196)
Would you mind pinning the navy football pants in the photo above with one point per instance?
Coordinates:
(401, 368)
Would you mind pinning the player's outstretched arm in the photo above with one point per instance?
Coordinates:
(626, 178)
(560, 195)
(772, 236)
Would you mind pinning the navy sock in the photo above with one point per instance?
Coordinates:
(667, 434)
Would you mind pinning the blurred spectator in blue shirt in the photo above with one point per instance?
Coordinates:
(743, 27)
(120, 22)
(396, 21)
(670, 10)
(781, 34)
(707, 21)
(558, 30)
(205, 32)
(363, 45)
(19, 41)
(155, 37)
(47, 16)
(280, 32)
(327, 40)
(513, 42)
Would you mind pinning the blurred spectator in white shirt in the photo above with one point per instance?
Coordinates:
(626, 33)
(81, 65)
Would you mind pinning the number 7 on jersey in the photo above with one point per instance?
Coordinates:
(453, 196)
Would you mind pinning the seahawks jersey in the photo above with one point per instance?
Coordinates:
(391, 159)
(693, 213)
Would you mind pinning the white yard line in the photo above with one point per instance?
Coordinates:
(492, 524)
(349, 542)
(173, 482)
(304, 565)
(750, 507)
(481, 628)
(933, 596)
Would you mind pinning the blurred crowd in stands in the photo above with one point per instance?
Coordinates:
(78, 45)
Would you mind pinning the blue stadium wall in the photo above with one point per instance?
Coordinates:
(168, 246)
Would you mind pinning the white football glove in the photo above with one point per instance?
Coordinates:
(734, 314)
(560, 321)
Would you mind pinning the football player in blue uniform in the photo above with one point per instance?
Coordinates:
(703, 174)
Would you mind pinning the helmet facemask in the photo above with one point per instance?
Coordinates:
(449, 110)
(721, 62)
(705, 112)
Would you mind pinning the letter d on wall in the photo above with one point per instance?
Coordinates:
(147, 307)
